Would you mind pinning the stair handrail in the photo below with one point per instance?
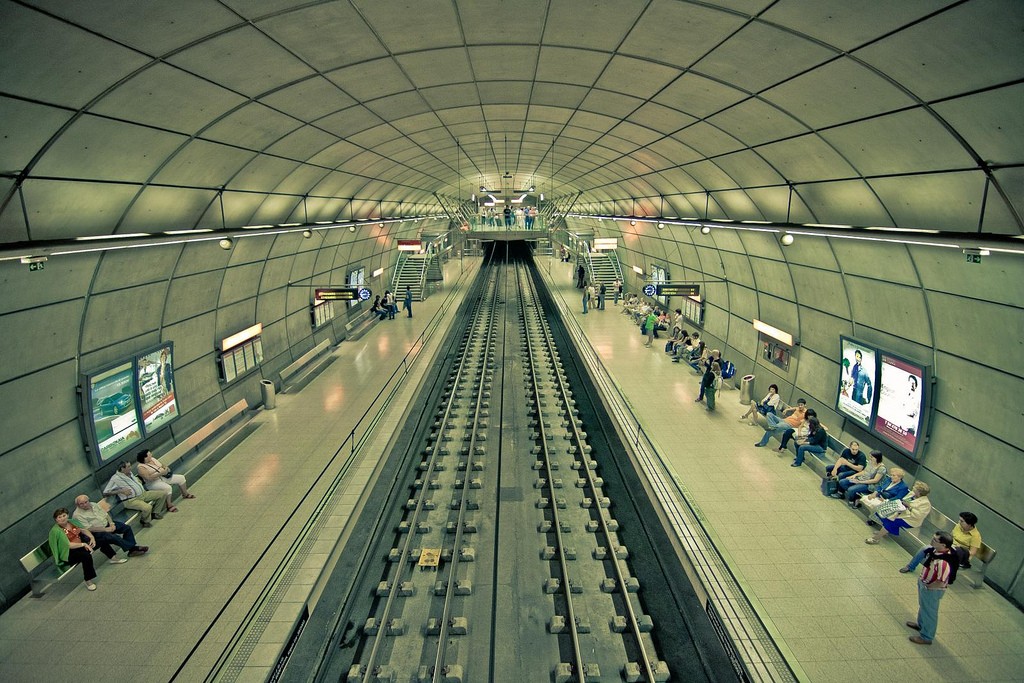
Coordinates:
(403, 256)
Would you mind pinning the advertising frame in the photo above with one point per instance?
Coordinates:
(848, 385)
(90, 401)
(164, 377)
(885, 428)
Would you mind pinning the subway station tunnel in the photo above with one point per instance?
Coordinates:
(190, 169)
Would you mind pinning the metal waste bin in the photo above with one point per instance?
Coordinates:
(747, 389)
(269, 394)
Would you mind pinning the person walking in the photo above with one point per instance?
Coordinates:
(586, 299)
(581, 273)
(938, 573)
(617, 290)
(600, 296)
(407, 301)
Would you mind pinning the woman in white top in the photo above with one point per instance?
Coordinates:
(156, 477)
(768, 404)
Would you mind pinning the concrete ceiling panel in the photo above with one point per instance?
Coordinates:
(270, 306)
(442, 97)
(301, 179)
(39, 338)
(105, 320)
(192, 296)
(274, 206)
(989, 122)
(1000, 217)
(848, 25)
(957, 321)
(251, 250)
(253, 126)
(910, 198)
(819, 289)
(913, 139)
(497, 92)
(759, 56)
(237, 208)
(699, 96)
(817, 376)
(58, 63)
(202, 163)
(401, 106)
(772, 278)
(239, 283)
(431, 68)
(567, 96)
(352, 121)
(36, 123)
(243, 60)
(747, 168)
(325, 209)
(806, 157)
(782, 313)
(12, 217)
(986, 410)
(709, 175)
(102, 149)
(836, 92)
(773, 203)
(737, 205)
(193, 337)
(657, 35)
(946, 270)
(607, 22)
(236, 317)
(851, 202)
(302, 143)
(62, 210)
(485, 21)
(308, 100)
(166, 97)
(857, 257)
(326, 35)
(708, 140)
(504, 63)
(199, 257)
(889, 306)
(571, 66)
(819, 331)
(262, 174)
(609, 103)
(755, 122)
(636, 77)
(335, 155)
(637, 136)
(663, 119)
(683, 207)
(969, 47)
(276, 274)
(119, 269)
(673, 149)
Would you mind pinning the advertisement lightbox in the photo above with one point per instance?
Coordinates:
(155, 373)
(902, 402)
(111, 411)
(857, 380)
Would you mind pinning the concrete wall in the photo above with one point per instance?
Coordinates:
(926, 303)
(83, 312)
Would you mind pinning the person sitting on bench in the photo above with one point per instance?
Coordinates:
(966, 543)
(134, 496)
(107, 531)
(68, 547)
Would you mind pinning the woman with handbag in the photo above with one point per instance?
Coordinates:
(768, 404)
(910, 513)
(891, 486)
(156, 477)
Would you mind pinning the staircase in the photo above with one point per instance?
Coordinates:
(434, 273)
(410, 272)
(603, 266)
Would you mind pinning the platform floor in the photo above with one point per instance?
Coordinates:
(229, 573)
(836, 606)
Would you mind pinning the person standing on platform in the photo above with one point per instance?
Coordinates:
(507, 211)
(600, 296)
(407, 301)
(711, 382)
(581, 273)
(938, 573)
(586, 300)
(650, 322)
(617, 290)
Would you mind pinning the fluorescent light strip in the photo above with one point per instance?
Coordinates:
(378, 272)
(187, 232)
(918, 230)
(876, 239)
(240, 337)
(773, 332)
(91, 238)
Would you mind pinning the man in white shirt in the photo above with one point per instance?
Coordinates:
(134, 496)
(106, 530)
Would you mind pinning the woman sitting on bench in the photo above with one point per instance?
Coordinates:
(68, 548)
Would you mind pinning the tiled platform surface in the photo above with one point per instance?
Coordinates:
(835, 606)
(214, 566)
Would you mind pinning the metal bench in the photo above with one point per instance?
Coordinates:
(304, 366)
(360, 325)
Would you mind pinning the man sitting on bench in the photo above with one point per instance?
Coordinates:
(133, 494)
(106, 530)
(966, 543)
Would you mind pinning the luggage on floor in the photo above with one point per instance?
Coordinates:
(829, 486)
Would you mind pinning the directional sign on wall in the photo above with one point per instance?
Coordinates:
(338, 294)
(678, 290)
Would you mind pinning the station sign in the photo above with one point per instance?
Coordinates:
(410, 245)
(342, 294)
(678, 290)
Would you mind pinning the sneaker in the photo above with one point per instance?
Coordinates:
(795, 464)
(138, 550)
(906, 570)
(758, 445)
(117, 560)
(871, 540)
(90, 586)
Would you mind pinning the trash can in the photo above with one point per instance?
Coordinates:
(269, 394)
(747, 389)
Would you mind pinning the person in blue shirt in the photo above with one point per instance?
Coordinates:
(861, 381)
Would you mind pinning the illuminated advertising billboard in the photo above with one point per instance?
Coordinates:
(112, 415)
(155, 373)
(900, 416)
(857, 380)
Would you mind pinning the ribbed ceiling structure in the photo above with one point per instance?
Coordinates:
(126, 117)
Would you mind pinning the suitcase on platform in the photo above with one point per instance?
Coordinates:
(829, 486)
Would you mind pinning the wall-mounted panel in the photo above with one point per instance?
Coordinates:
(192, 295)
(39, 402)
(821, 289)
(193, 338)
(124, 314)
(985, 332)
(240, 282)
(38, 337)
(988, 411)
(120, 268)
(889, 306)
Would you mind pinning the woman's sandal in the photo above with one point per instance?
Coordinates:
(189, 495)
(171, 508)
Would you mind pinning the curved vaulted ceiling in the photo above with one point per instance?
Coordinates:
(126, 117)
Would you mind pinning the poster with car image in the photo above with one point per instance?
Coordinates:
(115, 422)
(156, 387)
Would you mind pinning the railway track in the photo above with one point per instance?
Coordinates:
(504, 561)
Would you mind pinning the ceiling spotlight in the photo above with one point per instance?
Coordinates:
(661, 226)
(225, 243)
(786, 239)
(632, 222)
(705, 230)
(307, 233)
(380, 225)
(351, 228)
